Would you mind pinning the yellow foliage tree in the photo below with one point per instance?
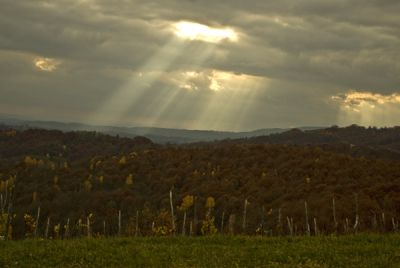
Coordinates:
(52, 166)
(34, 196)
(208, 226)
(3, 223)
(30, 161)
(57, 231)
(187, 202)
(30, 225)
(55, 180)
(2, 186)
(11, 181)
(210, 203)
(55, 183)
(65, 165)
(4, 218)
(129, 180)
(88, 185)
(10, 133)
(122, 161)
(162, 225)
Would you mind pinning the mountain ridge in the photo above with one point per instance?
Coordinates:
(156, 134)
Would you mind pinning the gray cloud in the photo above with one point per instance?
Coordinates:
(304, 52)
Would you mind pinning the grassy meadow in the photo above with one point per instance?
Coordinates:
(214, 251)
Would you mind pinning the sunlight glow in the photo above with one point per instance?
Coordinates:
(368, 108)
(195, 31)
(46, 64)
(214, 80)
(353, 100)
(221, 80)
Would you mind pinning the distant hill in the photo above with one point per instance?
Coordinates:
(157, 135)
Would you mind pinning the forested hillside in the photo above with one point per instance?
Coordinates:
(372, 138)
(234, 186)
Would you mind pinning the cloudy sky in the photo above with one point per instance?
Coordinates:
(201, 64)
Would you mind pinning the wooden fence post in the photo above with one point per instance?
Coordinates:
(335, 223)
(46, 234)
(222, 222)
(37, 222)
(137, 224)
(172, 211)
(119, 222)
(356, 222)
(290, 225)
(231, 224)
(184, 223)
(244, 216)
(307, 222)
(89, 233)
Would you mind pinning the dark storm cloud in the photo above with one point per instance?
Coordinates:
(306, 49)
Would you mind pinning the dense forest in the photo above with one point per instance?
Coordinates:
(322, 181)
(354, 139)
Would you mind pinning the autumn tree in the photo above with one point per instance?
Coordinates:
(187, 203)
(208, 226)
(129, 180)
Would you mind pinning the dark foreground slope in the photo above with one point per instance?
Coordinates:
(73, 175)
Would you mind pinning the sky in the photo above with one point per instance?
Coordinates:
(201, 64)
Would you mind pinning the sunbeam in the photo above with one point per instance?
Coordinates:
(252, 88)
(230, 101)
(156, 70)
(202, 55)
(131, 92)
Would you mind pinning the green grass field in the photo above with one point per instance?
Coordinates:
(218, 251)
